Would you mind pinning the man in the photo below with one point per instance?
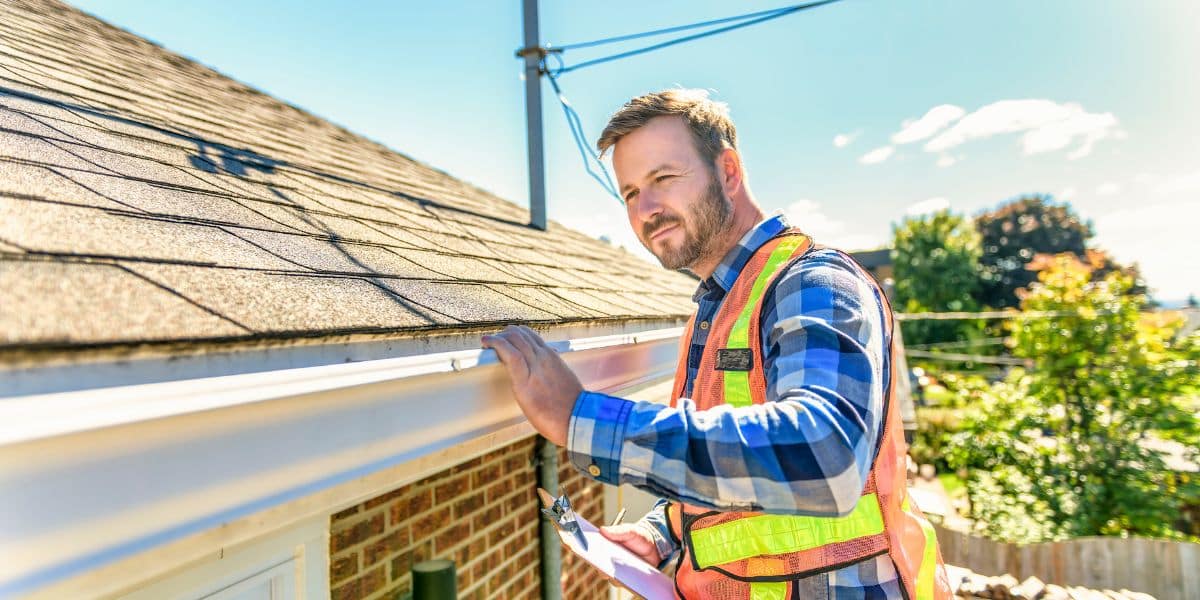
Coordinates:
(781, 459)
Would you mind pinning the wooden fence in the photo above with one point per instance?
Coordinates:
(1164, 569)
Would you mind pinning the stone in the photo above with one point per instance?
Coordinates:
(1056, 592)
(1030, 589)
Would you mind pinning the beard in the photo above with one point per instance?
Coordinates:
(710, 217)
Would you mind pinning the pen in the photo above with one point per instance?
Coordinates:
(620, 515)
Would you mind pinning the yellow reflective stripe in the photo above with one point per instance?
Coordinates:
(737, 388)
(768, 591)
(779, 534)
(737, 383)
(928, 569)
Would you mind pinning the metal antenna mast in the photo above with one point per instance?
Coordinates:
(533, 54)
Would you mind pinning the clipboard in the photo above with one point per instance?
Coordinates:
(619, 565)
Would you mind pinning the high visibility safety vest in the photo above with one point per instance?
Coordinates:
(759, 556)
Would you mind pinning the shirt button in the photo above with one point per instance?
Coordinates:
(593, 470)
(703, 324)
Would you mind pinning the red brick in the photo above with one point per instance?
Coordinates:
(373, 581)
(501, 489)
(488, 474)
(497, 536)
(342, 567)
(402, 565)
(339, 516)
(467, 553)
(453, 536)
(452, 488)
(495, 455)
(354, 534)
(407, 508)
(469, 504)
(350, 591)
(385, 498)
(517, 464)
(424, 527)
(489, 515)
(467, 466)
(394, 541)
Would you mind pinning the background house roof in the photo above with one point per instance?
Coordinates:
(147, 198)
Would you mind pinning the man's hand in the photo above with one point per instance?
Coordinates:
(634, 539)
(545, 387)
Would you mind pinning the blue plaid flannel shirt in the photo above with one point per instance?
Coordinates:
(806, 451)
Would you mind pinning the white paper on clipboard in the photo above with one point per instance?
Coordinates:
(619, 564)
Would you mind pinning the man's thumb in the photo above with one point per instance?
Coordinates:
(617, 533)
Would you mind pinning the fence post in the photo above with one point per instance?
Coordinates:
(434, 580)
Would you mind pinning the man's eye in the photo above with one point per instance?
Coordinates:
(631, 196)
(662, 178)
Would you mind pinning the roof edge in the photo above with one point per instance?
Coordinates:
(52, 369)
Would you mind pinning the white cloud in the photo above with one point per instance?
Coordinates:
(877, 155)
(1068, 192)
(810, 217)
(935, 120)
(1046, 125)
(1108, 188)
(925, 207)
(946, 160)
(842, 140)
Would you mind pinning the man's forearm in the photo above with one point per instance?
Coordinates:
(790, 456)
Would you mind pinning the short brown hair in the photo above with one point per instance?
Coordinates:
(708, 120)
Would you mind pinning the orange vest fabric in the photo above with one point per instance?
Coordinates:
(906, 536)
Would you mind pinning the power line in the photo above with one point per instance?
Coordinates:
(960, 344)
(533, 52)
(774, 12)
(993, 314)
(975, 358)
(753, 19)
(575, 124)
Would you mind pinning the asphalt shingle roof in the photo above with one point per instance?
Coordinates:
(146, 198)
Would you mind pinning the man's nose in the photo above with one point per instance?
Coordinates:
(649, 204)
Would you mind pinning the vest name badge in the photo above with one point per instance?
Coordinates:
(734, 359)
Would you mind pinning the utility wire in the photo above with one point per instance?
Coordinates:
(994, 314)
(960, 344)
(976, 358)
(575, 124)
(644, 34)
(752, 20)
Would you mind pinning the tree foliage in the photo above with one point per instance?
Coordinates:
(1061, 449)
(936, 264)
(1017, 231)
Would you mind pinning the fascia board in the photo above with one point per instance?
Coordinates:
(93, 477)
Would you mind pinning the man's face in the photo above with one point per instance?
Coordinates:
(674, 201)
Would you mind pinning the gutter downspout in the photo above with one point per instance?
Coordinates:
(546, 456)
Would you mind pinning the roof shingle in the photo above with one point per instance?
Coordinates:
(145, 197)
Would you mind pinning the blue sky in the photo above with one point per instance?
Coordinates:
(1092, 101)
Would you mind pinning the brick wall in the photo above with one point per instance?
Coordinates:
(482, 514)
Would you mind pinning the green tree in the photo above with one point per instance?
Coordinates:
(1061, 449)
(1016, 232)
(936, 265)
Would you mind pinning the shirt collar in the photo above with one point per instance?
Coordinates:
(730, 267)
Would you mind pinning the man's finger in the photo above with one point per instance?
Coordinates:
(620, 533)
(524, 345)
(535, 341)
(512, 358)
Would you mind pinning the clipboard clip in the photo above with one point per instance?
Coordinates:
(559, 511)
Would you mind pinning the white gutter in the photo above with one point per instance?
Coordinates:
(90, 478)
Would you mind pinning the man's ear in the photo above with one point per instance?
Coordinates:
(729, 171)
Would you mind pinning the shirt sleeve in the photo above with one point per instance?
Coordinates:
(655, 524)
(807, 450)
